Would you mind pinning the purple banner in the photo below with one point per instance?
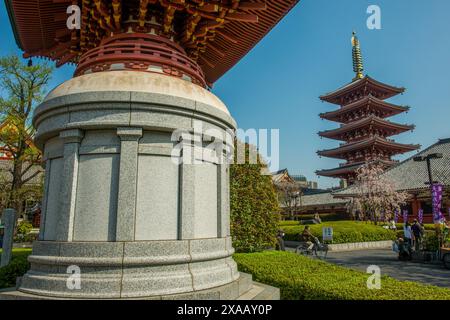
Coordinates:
(421, 216)
(405, 216)
(436, 199)
(396, 216)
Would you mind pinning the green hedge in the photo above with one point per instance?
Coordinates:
(428, 226)
(254, 207)
(344, 232)
(302, 278)
(18, 266)
(324, 217)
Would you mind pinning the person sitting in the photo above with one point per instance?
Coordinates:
(392, 225)
(317, 218)
(404, 250)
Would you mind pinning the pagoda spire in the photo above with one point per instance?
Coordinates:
(358, 66)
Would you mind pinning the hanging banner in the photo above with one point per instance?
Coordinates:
(396, 216)
(405, 216)
(420, 216)
(436, 200)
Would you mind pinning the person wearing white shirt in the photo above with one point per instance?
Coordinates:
(408, 233)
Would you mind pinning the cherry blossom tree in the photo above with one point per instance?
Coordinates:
(290, 196)
(375, 193)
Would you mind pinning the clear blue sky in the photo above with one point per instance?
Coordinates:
(277, 84)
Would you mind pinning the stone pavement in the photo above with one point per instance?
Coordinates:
(386, 259)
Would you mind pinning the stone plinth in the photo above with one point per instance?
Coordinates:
(9, 220)
(242, 289)
(116, 205)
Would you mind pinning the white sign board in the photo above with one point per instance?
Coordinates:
(327, 234)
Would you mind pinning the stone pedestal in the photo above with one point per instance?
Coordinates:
(136, 223)
(9, 220)
(242, 289)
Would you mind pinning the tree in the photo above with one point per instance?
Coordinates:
(254, 206)
(22, 88)
(290, 196)
(375, 193)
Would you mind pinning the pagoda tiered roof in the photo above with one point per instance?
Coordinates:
(373, 142)
(361, 88)
(370, 124)
(215, 34)
(345, 170)
(369, 104)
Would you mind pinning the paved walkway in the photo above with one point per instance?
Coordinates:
(387, 260)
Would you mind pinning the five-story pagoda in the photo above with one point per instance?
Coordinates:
(364, 127)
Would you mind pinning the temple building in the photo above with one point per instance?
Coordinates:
(283, 176)
(411, 177)
(364, 126)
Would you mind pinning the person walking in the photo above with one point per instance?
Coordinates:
(280, 238)
(408, 234)
(418, 234)
(317, 218)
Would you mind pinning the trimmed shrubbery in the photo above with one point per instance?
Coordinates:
(254, 208)
(343, 231)
(23, 233)
(324, 217)
(18, 266)
(302, 278)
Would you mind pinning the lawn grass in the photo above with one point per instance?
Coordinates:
(302, 278)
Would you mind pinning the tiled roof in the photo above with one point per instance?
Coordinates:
(364, 122)
(332, 96)
(321, 199)
(340, 151)
(411, 175)
(282, 176)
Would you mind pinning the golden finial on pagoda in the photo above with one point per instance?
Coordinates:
(358, 66)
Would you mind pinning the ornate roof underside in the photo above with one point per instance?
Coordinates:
(345, 170)
(366, 86)
(371, 124)
(376, 106)
(216, 34)
(374, 142)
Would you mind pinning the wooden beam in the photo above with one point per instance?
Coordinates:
(246, 5)
(243, 17)
(227, 36)
(117, 13)
(143, 7)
